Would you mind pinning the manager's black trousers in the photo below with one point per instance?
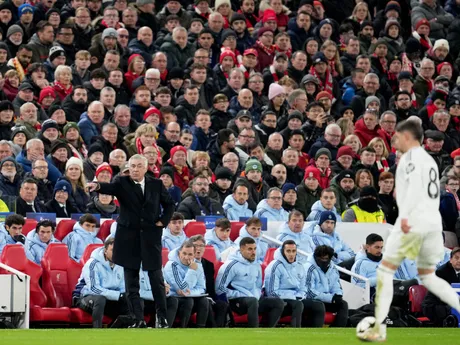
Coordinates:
(158, 292)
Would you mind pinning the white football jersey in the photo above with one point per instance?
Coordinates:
(418, 190)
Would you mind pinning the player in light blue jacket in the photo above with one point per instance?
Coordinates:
(219, 237)
(272, 207)
(285, 279)
(323, 284)
(11, 231)
(84, 233)
(325, 203)
(101, 287)
(325, 234)
(39, 239)
(186, 277)
(407, 270)
(240, 281)
(252, 229)
(293, 229)
(236, 205)
(173, 234)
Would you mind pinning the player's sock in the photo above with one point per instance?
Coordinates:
(384, 294)
(441, 289)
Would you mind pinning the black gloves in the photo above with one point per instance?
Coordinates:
(122, 296)
(337, 299)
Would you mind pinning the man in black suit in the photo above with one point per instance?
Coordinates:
(145, 209)
(433, 307)
(27, 200)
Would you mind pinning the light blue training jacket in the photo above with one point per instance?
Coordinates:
(234, 211)
(171, 241)
(343, 251)
(265, 211)
(35, 249)
(262, 246)
(219, 245)
(302, 239)
(322, 286)
(78, 240)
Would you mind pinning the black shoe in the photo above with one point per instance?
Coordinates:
(139, 324)
(161, 322)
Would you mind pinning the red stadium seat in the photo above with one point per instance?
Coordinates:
(195, 228)
(269, 256)
(60, 276)
(164, 256)
(88, 251)
(217, 265)
(104, 231)
(30, 225)
(329, 318)
(416, 295)
(235, 232)
(40, 309)
(210, 254)
(64, 227)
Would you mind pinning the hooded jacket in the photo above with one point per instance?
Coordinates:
(77, 241)
(365, 267)
(364, 134)
(5, 237)
(322, 286)
(219, 245)
(343, 251)
(302, 239)
(181, 277)
(171, 241)
(35, 249)
(317, 209)
(98, 278)
(239, 277)
(40, 51)
(265, 211)
(285, 280)
(234, 211)
(262, 246)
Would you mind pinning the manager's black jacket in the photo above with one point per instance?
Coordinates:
(447, 273)
(138, 239)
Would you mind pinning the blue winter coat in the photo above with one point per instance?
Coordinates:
(171, 241)
(219, 245)
(235, 107)
(239, 277)
(35, 249)
(181, 277)
(8, 188)
(88, 128)
(234, 211)
(316, 211)
(343, 251)
(298, 35)
(285, 280)
(262, 246)
(366, 268)
(77, 241)
(265, 211)
(53, 172)
(322, 286)
(349, 91)
(302, 239)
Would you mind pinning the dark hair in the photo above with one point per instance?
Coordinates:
(295, 213)
(296, 132)
(240, 184)
(254, 145)
(29, 180)
(355, 71)
(65, 26)
(412, 127)
(109, 242)
(367, 149)
(87, 218)
(44, 223)
(177, 216)
(454, 251)
(190, 87)
(167, 110)
(314, 104)
(327, 190)
(323, 250)
(98, 73)
(253, 220)
(197, 65)
(14, 219)
(163, 90)
(40, 27)
(266, 113)
(24, 46)
(113, 52)
(288, 242)
(402, 92)
(372, 238)
(246, 240)
(223, 223)
(223, 136)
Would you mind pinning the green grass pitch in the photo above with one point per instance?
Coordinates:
(230, 336)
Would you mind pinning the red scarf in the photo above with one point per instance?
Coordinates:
(331, 64)
(181, 172)
(430, 109)
(268, 50)
(140, 150)
(287, 52)
(247, 73)
(424, 43)
(164, 75)
(383, 63)
(275, 74)
(382, 165)
(103, 23)
(61, 88)
(456, 121)
(457, 201)
(328, 84)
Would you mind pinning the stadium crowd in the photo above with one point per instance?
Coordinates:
(270, 109)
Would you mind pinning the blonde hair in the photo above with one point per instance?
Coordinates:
(133, 61)
(200, 154)
(11, 74)
(144, 129)
(351, 137)
(379, 140)
(83, 55)
(358, 5)
(60, 69)
(81, 181)
(337, 63)
(345, 125)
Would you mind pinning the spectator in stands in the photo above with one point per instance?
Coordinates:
(84, 233)
(74, 175)
(324, 234)
(236, 205)
(11, 231)
(173, 235)
(219, 237)
(289, 196)
(40, 174)
(199, 204)
(101, 288)
(434, 142)
(10, 181)
(169, 138)
(28, 113)
(27, 200)
(371, 87)
(42, 42)
(323, 284)
(290, 159)
(330, 141)
(59, 154)
(91, 123)
(367, 261)
(104, 205)
(308, 192)
(271, 207)
(178, 162)
(188, 284)
(59, 203)
(38, 240)
(386, 197)
(253, 179)
(167, 176)
(242, 271)
(448, 203)
(220, 188)
(325, 203)
(366, 209)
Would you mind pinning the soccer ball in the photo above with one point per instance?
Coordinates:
(364, 326)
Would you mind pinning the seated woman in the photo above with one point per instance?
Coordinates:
(104, 205)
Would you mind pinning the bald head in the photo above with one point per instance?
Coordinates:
(145, 35)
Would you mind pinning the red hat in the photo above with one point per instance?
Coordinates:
(318, 3)
(345, 151)
(152, 111)
(251, 51)
(46, 92)
(323, 94)
(177, 148)
(225, 53)
(455, 153)
(421, 22)
(131, 58)
(442, 64)
(269, 14)
(312, 171)
(104, 167)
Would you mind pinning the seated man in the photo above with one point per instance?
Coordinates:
(60, 203)
(325, 203)
(272, 207)
(84, 233)
(27, 200)
(252, 229)
(38, 240)
(101, 287)
(11, 231)
(240, 281)
(325, 234)
(173, 234)
(293, 230)
(188, 284)
(219, 237)
(323, 284)
(236, 205)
